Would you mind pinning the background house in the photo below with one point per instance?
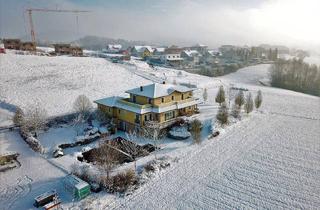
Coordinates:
(141, 51)
(113, 48)
(13, 44)
(191, 56)
(172, 56)
(28, 46)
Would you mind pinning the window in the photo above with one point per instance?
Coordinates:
(174, 56)
(137, 120)
(134, 99)
(182, 97)
(172, 98)
(169, 115)
(119, 111)
(149, 100)
(162, 100)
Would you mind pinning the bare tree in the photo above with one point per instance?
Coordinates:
(18, 118)
(195, 130)
(205, 95)
(154, 132)
(220, 98)
(248, 106)
(258, 100)
(35, 119)
(83, 106)
(132, 136)
(240, 100)
(101, 116)
(106, 157)
(223, 115)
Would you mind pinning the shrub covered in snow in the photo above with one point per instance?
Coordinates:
(122, 181)
(34, 144)
(179, 132)
(31, 141)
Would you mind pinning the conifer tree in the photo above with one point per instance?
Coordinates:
(223, 115)
(18, 117)
(240, 100)
(248, 106)
(258, 100)
(205, 95)
(220, 98)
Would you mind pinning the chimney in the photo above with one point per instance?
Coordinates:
(141, 88)
(164, 82)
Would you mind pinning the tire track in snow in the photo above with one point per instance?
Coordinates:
(11, 194)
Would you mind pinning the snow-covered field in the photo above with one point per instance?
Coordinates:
(55, 82)
(269, 160)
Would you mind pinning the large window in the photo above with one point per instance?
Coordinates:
(169, 115)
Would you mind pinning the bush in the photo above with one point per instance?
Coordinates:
(149, 167)
(120, 182)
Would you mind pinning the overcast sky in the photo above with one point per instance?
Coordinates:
(182, 22)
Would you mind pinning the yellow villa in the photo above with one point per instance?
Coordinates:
(163, 103)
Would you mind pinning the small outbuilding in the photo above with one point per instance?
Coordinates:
(79, 188)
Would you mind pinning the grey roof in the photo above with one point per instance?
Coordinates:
(158, 90)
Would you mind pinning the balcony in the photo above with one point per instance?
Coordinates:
(129, 103)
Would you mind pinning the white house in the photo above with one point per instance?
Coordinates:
(192, 56)
(172, 56)
(113, 48)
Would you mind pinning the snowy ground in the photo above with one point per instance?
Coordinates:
(55, 82)
(268, 160)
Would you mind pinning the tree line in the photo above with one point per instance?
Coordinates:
(297, 75)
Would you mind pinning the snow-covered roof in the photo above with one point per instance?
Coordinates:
(160, 49)
(142, 48)
(139, 109)
(74, 181)
(214, 52)
(110, 101)
(158, 90)
(191, 53)
(114, 46)
(174, 59)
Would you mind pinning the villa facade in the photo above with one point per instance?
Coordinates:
(163, 103)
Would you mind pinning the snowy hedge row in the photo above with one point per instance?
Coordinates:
(32, 141)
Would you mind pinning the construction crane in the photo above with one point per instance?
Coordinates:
(30, 10)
